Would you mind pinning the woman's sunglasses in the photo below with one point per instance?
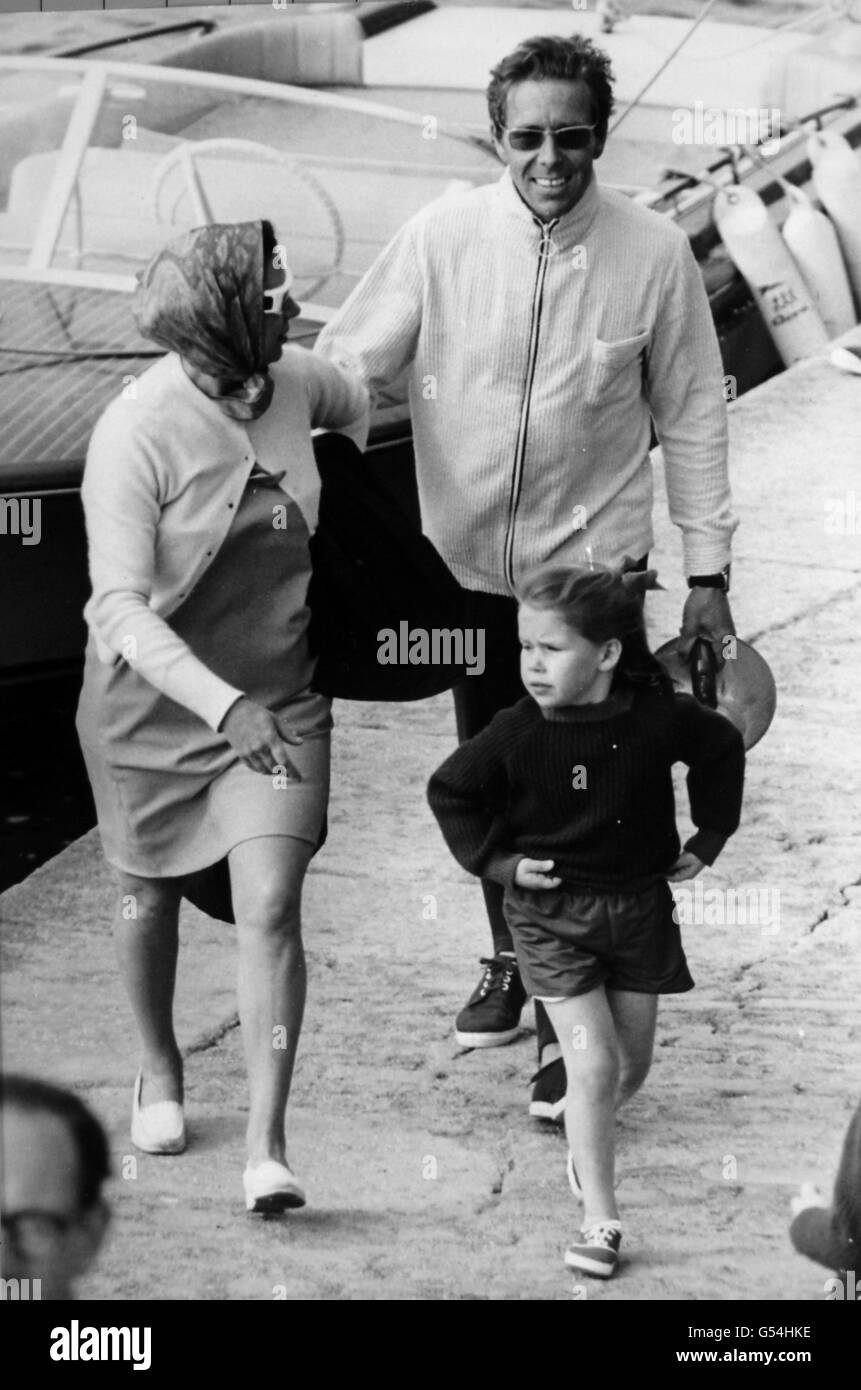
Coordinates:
(273, 300)
(567, 137)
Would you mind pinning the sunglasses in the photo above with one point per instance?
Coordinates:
(567, 137)
(273, 300)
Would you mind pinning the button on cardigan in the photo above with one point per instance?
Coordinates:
(165, 471)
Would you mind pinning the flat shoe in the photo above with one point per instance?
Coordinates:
(157, 1128)
(271, 1186)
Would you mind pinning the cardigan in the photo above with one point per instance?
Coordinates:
(590, 787)
(536, 354)
(165, 471)
(832, 1235)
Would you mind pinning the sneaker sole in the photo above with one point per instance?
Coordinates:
(596, 1268)
(274, 1202)
(486, 1039)
(547, 1109)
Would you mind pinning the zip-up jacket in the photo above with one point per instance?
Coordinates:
(536, 354)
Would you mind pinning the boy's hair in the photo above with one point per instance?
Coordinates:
(600, 604)
(547, 56)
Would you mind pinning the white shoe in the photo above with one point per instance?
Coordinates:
(158, 1128)
(271, 1186)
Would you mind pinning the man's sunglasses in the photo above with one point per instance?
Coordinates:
(273, 300)
(567, 137)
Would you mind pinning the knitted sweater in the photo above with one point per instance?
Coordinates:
(537, 353)
(590, 787)
(832, 1235)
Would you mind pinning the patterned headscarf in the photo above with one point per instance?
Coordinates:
(202, 297)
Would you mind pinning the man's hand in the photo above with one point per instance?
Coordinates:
(686, 866)
(809, 1196)
(535, 873)
(706, 614)
(252, 731)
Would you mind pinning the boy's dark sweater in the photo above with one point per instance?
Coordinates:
(509, 792)
(832, 1235)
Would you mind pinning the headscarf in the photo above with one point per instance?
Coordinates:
(202, 297)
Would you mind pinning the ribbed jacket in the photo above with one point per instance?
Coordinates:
(536, 354)
(590, 787)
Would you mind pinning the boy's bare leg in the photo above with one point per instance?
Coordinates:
(635, 1016)
(587, 1036)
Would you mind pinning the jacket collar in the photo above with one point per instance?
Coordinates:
(567, 230)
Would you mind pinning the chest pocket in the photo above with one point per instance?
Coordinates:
(616, 372)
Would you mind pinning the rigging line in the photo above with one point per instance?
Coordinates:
(665, 64)
(826, 10)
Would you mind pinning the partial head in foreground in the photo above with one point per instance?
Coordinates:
(582, 633)
(549, 103)
(54, 1160)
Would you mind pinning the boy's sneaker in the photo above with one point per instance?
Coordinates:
(548, 1091)
(597, 1250)
(492, 1015)
(573, 1180)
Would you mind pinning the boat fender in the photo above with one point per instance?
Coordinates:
(778, 286)
(813, 242)
(837, 180)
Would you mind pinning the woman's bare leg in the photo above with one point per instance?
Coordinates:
(146, 940)
(266, 877)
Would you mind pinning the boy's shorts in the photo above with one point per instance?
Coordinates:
(569, 941)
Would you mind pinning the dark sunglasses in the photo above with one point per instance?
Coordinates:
(567, 137)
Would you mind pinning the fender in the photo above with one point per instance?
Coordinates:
(837, 180)
(778, 286)
(815, 247)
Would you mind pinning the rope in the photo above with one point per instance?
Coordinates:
(665, 64)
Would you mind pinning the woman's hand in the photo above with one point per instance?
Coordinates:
(686, 866)
(809, 1196)
(252, 731)
(535, 873)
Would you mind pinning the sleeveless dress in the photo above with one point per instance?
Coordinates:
(172, 797)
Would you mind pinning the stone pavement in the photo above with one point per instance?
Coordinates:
(426, 1178)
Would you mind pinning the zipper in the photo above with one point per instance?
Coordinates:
(544, 250)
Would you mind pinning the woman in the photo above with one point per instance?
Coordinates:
(200, 492)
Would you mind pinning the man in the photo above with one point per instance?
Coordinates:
(54, 1156)
(546, 322)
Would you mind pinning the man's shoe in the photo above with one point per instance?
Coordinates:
(271, 1187)
(492, 1015)
(158, 1128)
(597, 1250)
(548, 1091)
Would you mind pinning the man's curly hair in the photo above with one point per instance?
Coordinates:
(546, 56)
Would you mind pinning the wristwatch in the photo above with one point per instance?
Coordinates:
(711, 581)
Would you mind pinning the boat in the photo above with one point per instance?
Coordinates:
(337, 123)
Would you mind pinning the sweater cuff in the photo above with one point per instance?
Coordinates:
(706, 845)
(502, 868)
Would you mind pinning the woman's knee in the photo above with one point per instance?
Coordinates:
(142, 898)
(273, 908)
